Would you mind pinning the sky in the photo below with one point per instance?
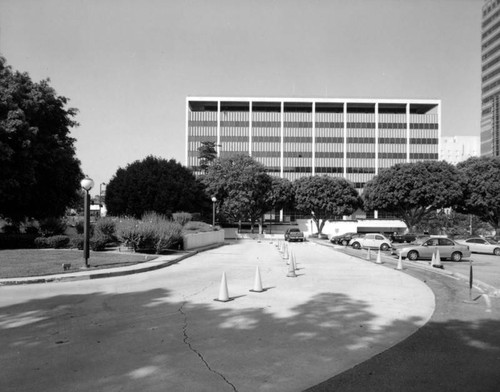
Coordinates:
(128, 65)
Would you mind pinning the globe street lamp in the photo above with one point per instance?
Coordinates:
(214, 199)
(87, 184)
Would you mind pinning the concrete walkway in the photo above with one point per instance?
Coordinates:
(162, 330)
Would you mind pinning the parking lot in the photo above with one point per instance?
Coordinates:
(486, 268)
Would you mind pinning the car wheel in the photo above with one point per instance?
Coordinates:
(456, 256)
(345, 242)
(356, 245)
(384, 246)
(496, 251)
(412, 255)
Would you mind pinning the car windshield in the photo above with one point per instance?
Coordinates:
(491, 241)
(420, 240)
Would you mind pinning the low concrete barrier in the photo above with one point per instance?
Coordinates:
(198, 240)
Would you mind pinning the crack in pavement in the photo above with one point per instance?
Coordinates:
(186, 341)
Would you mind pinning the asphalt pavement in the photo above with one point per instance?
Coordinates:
(162, 330)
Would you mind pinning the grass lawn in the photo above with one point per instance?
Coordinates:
(36, 262)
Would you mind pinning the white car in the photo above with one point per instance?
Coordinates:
(371, 240)
(481, 245)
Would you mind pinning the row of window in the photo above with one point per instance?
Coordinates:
(307, 124)
(319, 140)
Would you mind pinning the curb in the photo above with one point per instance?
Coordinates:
(105, 273)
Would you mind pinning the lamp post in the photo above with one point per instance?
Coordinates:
(214, 199)
(87, 184)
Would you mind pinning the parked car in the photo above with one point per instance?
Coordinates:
(371, 240)
(399, 237)
(481, 245)
(344, 239)
(424, 248)
(294, 234)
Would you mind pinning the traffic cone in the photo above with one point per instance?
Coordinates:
(379, 259)
(368, 255)
(223, 293)
(285, 252)
(291, 269)
(437, 261)
(257, 285)
(400, 263)
(433, 259)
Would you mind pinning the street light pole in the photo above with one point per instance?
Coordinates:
(214, 199)
(87, 184)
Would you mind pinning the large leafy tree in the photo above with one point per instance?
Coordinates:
(412, 191)
(325, 198)
(241, 186)
(206, 154)
(154, 184)
(39, 172)
(481, 184)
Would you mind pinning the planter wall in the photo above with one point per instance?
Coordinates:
(198, 240)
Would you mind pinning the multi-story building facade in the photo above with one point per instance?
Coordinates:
(292, 137)
(455, 149)
(490, 79)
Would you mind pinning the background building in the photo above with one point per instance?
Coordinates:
(490, 78)
(456, 149)
(292, 137)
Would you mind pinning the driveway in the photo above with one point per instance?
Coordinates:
(163, 331)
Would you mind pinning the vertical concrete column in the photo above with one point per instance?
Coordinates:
(313, 161)
(250, 128)
(282, 138)
(407, 132)
(218, 128)
(376, 139)
(345, 139)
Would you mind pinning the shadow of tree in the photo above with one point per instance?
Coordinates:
(148, 341)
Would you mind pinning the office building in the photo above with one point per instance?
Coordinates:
(294, 137)
(490, 79)
(455, 149)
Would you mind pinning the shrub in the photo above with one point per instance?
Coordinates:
(56, 241)
(153, 233)
(17, 241)
(52, 226)
(105, 229)
(97, 243)
(77, 242)
(182, 217)
(79, 226)
(199, 227)
(11, 229)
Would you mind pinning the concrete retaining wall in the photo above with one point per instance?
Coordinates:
(198, 240)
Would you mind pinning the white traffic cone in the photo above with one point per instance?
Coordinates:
(291, 269)
(379, 259)
(285, 252)
(433, 259)
(400, 263)
(437, 260)
(257, 284)
(223, 293)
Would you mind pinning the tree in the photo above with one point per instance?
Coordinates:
(412, 191)
(281, 193)
(39, 172)
(325, 198)
(241, 186)
(154, 185)
(206, 154)
(481, 184)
